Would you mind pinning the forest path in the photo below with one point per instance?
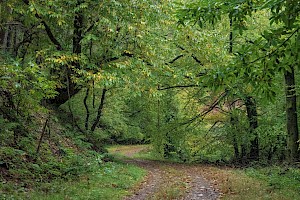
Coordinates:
(167, 180)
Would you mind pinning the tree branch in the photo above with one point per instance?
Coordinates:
(91, 27)
(274, 51)
(197, 60)
(177, 86)
(99, 112)
(176, 58)
(211, 107)
(47, 29)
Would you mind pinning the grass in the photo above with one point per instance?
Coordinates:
(144, 152)
(113, 180)
(134, 151)
(256, 183)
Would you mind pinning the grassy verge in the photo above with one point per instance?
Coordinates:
(271, 183)
(134, 151)
(112, 180)
(144, 152)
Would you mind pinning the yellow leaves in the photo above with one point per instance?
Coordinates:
(32, 9)
(130, 27)
(249, 88)
(64, 59)
(60, 22)
(146, 73)
(127, 52)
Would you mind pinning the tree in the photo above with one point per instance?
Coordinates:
(236, 12)
(75, 41)
(268, 53)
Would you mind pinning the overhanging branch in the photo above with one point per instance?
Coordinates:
(211, 107)
(47, 29)
(176, 58)
(274, 51)
(178, 86)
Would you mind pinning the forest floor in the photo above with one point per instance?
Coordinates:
(166, 180)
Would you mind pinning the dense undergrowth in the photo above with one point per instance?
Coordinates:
(110, 180)
(54, 161)
(65, 166)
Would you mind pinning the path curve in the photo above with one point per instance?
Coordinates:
(161, 175)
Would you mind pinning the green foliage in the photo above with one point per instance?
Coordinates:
(29, 84)
(278, 179)
(182, 88)
(108, 180)
(28, 168)
(114, 126)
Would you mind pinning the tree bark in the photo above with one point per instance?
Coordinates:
(7, 39)
(77, 34)
(253, 124)
(291, 116)
(100, 108)
(233, 122)
(87, 109)
(230, 36)
(42, 136)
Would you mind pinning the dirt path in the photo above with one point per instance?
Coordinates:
(169, 180)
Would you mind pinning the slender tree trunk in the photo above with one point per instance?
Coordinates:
(230, 37)
(291, 116)
(2, 36)
(253, 124)
(94, 96)
(87, 109)
(243, 152)
(77, 35)
(100, 108)
(7, 38)
(233, 122)
(42, 136)
(74, 121)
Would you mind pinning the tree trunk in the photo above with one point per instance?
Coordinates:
(100, 108)
(42, 135)
(94, 96)
(230, 36)
(291, 116)
(2, 35)
(87, 109)
(7, 39)
(233, 122)
(253, 124)
(77, 34)
(63, 94)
